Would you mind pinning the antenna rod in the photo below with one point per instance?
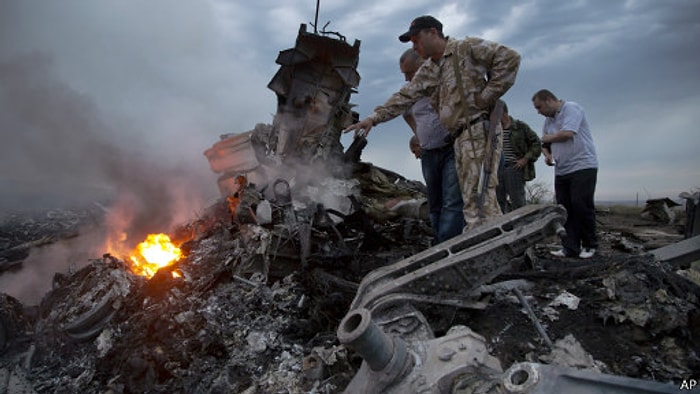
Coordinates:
(316, 20)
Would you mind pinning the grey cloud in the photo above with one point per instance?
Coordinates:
(106, 98)
(167, 79)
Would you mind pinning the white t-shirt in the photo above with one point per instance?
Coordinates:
(577, 153)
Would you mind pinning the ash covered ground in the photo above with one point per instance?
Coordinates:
(247, 315)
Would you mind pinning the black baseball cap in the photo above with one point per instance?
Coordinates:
(418, 24)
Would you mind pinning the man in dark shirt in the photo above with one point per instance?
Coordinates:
(521, 148)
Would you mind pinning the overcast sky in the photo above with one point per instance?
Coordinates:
(100, 92)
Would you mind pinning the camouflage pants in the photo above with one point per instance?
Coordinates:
(469, 156)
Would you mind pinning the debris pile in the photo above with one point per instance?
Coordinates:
(223, 324)
(660, 209)
(244, 310)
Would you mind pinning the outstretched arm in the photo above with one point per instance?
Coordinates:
(361, 128)
(396, 105)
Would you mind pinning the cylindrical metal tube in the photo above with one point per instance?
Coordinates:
(533, 317)
(360, 333)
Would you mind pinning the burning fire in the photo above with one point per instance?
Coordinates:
(156, 252)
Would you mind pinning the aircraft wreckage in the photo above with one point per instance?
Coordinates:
(314, 272)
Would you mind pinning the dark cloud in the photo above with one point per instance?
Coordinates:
(631, 64)
(167, 79)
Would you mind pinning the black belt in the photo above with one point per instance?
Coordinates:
(481, 118)
(453, 136)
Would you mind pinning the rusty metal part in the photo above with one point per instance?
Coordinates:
(231, 156)
(242, 200)
(313, 367)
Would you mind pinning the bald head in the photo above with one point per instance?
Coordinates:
(410, 55)
(409, 62)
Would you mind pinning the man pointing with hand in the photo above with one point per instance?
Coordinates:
(463, 80)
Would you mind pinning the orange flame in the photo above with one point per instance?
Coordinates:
(156, 252)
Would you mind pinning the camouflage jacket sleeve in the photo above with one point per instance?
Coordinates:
(486, 71)
(532, 146)
(525, 143)
(422, 85)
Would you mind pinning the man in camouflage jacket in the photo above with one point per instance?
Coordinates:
(463, 101)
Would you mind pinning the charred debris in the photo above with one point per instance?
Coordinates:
(315, 272)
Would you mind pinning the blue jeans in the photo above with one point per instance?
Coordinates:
(444, 195)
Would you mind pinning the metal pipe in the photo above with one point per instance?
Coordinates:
(533, 317)
(360, 333)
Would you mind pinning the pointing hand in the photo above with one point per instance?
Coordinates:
(361, 128)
